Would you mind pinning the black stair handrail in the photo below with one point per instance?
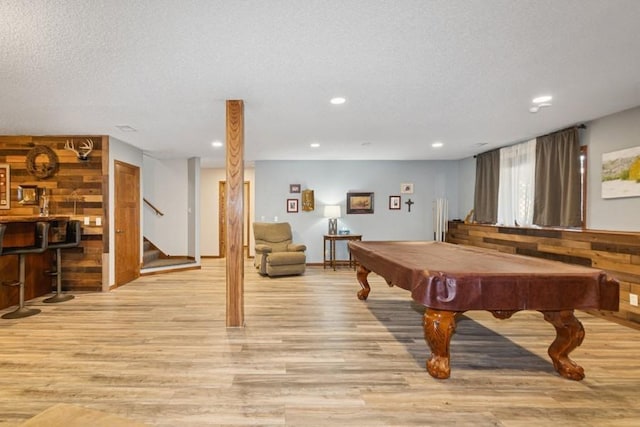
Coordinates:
(156, 210)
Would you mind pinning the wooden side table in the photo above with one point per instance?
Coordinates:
(332, 261)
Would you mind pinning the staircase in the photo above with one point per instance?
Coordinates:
(154, 258)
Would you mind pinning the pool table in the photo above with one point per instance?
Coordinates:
(450, 279)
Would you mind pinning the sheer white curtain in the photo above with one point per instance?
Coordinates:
(517, 184)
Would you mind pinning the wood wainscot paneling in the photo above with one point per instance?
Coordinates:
(77, 188)
(617, 253)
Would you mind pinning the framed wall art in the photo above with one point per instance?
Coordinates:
(394, 202)
(621, 173)
(359, 203)
(308, 200)
(406, 188)
(292, 205)
(5, 187)
(28, 195)
(294, 188)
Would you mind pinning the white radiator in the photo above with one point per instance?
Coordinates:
(440, 218)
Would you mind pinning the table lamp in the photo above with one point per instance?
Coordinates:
(333, 213)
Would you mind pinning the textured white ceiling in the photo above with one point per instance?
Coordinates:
(458, 71)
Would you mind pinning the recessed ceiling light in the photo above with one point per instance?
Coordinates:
(541, 99)
(216, 144)
(314, 145)
(126, 128)
(338, 100)
(537, 108)
(437, 144)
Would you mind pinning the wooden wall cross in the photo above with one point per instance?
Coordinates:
(409, 203)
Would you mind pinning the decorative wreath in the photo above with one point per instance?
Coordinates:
(44, 170)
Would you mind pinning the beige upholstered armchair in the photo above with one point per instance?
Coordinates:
(276, 255)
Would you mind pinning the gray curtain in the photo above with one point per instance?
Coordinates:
(557, 188)
(485, 206)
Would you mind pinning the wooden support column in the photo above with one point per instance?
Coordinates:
(235, 213)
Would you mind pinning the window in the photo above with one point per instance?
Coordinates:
(516, 184)
(541, 182)
(583, 185)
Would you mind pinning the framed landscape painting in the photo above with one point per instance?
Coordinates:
(621, 173)
(359, 203)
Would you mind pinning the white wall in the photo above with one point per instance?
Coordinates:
(467, 186)
(167, 188)
(209, 197)
(193, 208)
(331, 180)
(174, 186)
(169, 183)
(126, 153)
(611, 133)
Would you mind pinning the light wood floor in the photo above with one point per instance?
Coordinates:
(157, 351)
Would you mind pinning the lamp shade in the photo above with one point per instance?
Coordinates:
(332, 211)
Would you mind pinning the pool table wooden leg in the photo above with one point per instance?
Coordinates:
(569, 335)
(439, 326)
(361, 274)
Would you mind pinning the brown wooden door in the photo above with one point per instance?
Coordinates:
(127, 222)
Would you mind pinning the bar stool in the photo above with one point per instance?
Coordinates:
(40, 245)
(72, 239)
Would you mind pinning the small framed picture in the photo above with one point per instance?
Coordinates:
(28, 195)
(292, 205)
(5, 186)
(406, 188)
(359, 203)
(394, 202)
(294, 188)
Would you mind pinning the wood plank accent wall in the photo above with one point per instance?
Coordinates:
(82, 181)
(617, 253)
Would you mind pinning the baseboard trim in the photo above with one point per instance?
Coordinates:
(169, 269)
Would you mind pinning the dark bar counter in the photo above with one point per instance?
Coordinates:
(21, 232)
(14, 219)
